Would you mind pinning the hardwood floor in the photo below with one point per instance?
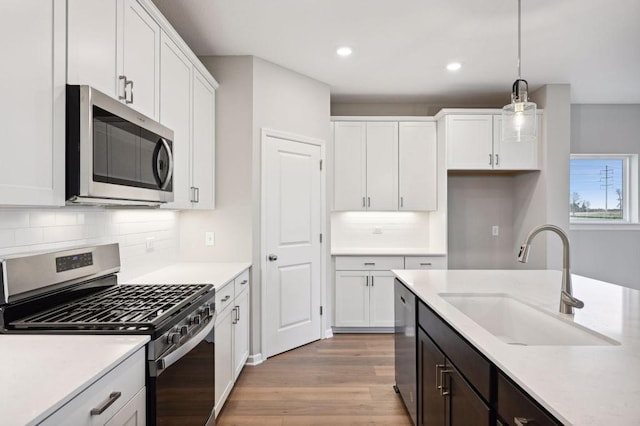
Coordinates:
(345, 380)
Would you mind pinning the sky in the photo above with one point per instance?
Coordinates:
(588, 180)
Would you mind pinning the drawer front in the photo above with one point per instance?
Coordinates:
(225, 297)
(369, 263)
(473, 366)
(425, 262)
(241, 283)
(126, 378)
(514, 403)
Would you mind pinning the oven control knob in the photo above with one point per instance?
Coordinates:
(206, 311)
(184, 330)
(173, 338)
(196, 319)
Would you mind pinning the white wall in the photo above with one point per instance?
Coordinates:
(231, 221)
(476, 203)
(32, 230)
(399, 108)
(609, 255)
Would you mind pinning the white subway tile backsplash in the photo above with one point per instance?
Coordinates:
(64, 233)
(396, 229)
(13, 219)
(7, 238)
(66, 218)
(29, 236)
(24, 231)
(42, 218)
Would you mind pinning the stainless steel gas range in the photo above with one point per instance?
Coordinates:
(76, 291)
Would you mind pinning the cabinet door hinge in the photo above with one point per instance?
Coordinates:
(320, 310)
(320, 164)
(320, 238)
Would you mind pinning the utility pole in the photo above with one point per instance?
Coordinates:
(606, 176)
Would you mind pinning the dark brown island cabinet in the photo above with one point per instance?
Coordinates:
(457, 385)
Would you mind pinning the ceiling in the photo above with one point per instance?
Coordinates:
(401, 47)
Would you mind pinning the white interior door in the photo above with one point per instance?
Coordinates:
(292, 221)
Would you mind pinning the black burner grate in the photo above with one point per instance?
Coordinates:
(119, 307)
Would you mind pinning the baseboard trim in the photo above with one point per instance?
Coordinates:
(337, 330)
(255, 359)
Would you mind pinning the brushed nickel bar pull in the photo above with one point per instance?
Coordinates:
(113, 397)
(363, 202)
(490, 160)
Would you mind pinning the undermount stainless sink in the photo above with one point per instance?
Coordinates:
(518, 323)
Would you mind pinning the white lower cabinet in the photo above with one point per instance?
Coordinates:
(116, 399)
(364, 288)
(425, 262)
(231, 335)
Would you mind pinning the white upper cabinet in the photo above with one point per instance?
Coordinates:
(126, 49)
(114, 46)
(350, 165)
(33, 102)
(385, 165)
(91, 44)
(469, 140)
(203, 145)
(175, 113)
(382, 166)
(473, 142)
(418, 166)
(139, 58)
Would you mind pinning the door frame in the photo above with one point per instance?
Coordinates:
(292, 137)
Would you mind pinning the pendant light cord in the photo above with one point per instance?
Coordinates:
(519, 39)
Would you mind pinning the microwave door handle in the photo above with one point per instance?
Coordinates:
(170, 359)
(165, 183)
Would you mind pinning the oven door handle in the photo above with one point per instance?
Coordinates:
(170, 359)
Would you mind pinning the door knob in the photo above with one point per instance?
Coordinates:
(272, 258)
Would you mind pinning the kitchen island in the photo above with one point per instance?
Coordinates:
(578, 384)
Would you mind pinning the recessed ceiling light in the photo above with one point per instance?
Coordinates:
(454, 66)
(344, 51)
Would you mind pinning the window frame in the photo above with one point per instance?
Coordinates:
(630, 193)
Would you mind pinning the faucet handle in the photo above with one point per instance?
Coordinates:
(571, 301)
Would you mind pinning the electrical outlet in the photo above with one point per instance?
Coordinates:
(377, 230)
(149, 243)
(209, 238)
(495, 230)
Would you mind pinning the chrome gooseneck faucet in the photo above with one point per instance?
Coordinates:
(567, 301)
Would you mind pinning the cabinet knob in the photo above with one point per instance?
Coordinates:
(272, 257)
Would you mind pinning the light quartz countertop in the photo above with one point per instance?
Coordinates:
(386, 251)
(216, 273)
(580, 385)
(41, 373)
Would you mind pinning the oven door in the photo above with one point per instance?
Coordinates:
(181, 390)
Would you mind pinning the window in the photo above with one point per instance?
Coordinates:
(601, 188)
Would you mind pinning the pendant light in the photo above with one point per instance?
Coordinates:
(519, 121)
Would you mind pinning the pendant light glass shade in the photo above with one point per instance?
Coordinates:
(519, 120)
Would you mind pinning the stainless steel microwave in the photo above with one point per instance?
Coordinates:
(114, 154)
